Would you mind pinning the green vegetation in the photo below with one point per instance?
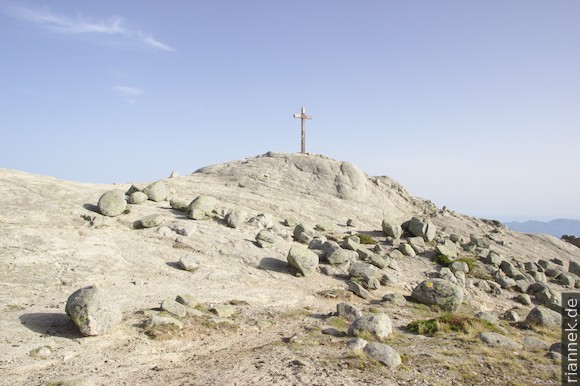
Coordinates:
(471, 263)
(447, 322)
(366, 239)
(443, 260)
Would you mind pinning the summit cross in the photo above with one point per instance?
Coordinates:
(303, 117)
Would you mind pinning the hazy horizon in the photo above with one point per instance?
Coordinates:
(473, 105)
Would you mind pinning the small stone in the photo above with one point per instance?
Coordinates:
(407, 250)
(223, 310)
(512, 316)
(151, 221)
(236, 218)
(187, 300)
(523, 299)
(356, 344)
(495, 339)
(350, 223)
(357, 289)
(377, 325)
(189, 263)
(439, 292)
(158, 321)
(174, 308)
(459, 266)
(348, 311)
(383, 354)
(266, 238)
(396, 299)
(391, 228)
(487, 317)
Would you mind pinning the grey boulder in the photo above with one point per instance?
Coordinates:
(439, 292)
(112, 203)
(93, 311)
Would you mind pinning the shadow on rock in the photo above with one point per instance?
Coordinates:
(92, 208)
(274, 265)
(53, 324)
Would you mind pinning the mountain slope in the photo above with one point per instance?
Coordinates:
(53, 241)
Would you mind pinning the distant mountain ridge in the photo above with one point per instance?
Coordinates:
(556, 228)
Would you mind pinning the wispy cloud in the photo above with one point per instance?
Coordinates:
(128, 91)
(81, 25)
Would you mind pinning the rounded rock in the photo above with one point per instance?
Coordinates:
(112, 203)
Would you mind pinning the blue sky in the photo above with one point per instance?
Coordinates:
(472, 104)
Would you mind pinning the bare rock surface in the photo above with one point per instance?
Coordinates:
(54, 240)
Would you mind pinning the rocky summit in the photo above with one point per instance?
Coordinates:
(280, 268)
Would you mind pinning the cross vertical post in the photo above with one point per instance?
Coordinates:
(303, 117)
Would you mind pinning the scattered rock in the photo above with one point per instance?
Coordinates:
(179, 203)
(448, 248)
(383, 354)
(356, 344)
(236, 218)
(201, 207)
(378, 326)
(304, 233)
(223, 310)
(494, 258)
(189, 263)
(163, 322)
(173, 307)
(488, 317)
(422, 228)
(93, 311)
(495, 339)
(542, 316)
(266, 238)
(350, 223)
(531, 342)
(137, 198)
(523, 299)
(112, 203)
(512, 316)
(396, 299)
(348, 311)
(187, 300)
(358, 290)
(152, 221)
(407, 250)
(352, 243)
(339, 256)
(157, 191)
(439, 292)
(303, 259)
(391, 228)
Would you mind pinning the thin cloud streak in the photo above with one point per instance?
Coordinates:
(79, 25)
(129, 91)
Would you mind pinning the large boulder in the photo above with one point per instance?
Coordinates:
(201, 207)
(439, 292)
(543, 316)
(303, 259)
(392, 228)
(157, 191)
(93, 311)
(112, 203)
(422, 228)
(378, 326)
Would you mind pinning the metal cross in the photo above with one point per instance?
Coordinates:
(303, 116)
